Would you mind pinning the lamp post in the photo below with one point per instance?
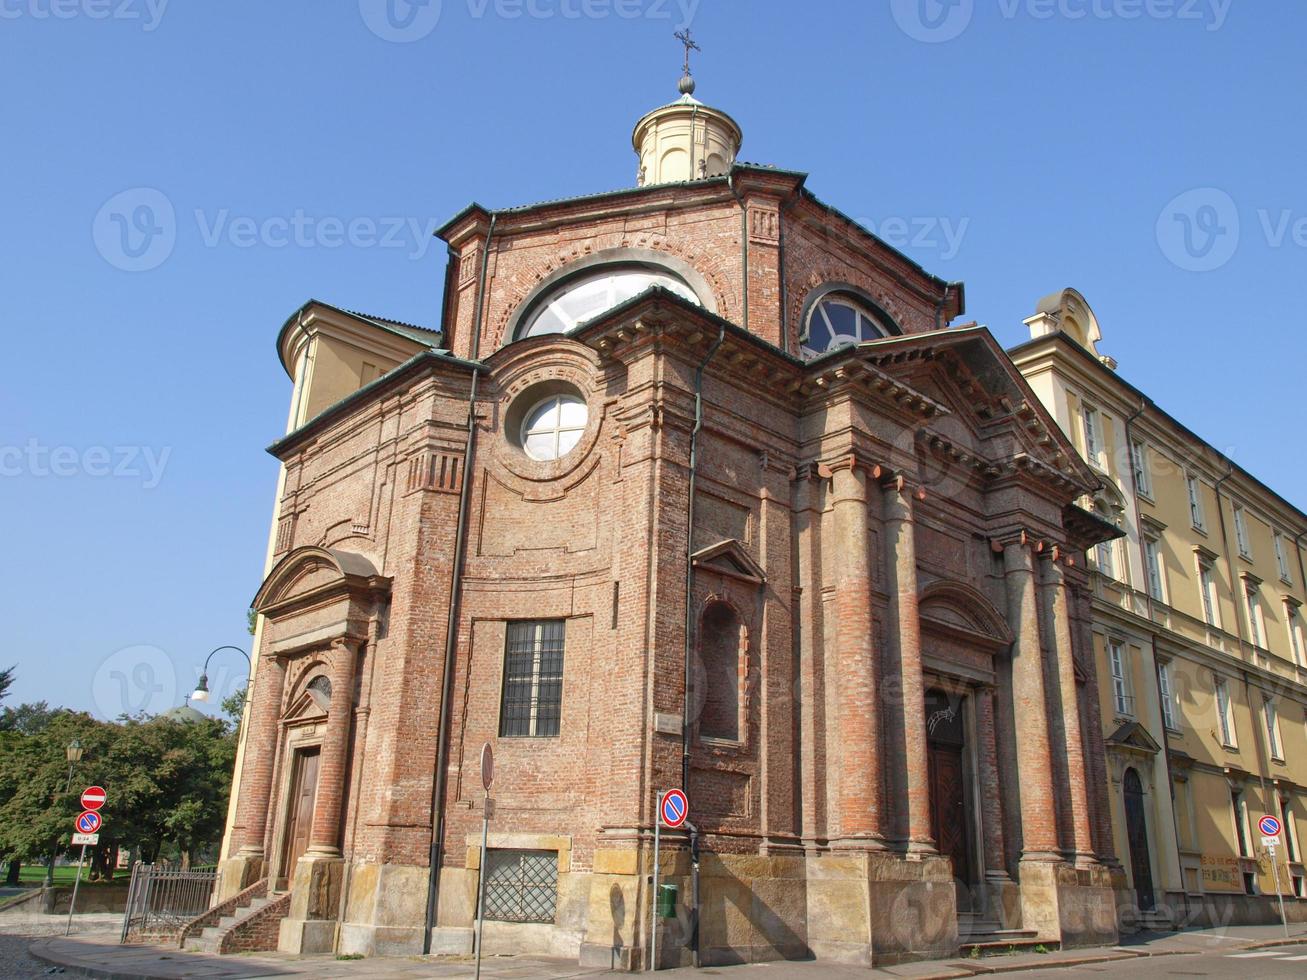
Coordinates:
(201, 692)
(73, 753)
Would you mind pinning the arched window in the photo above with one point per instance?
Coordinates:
(589, 294)
(319, 689)
(838, 319)
(721, 638)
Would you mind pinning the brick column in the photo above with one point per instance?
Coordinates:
(1053, 581)
(324, 837)
(860, 791)
(261, 745)
(1034, 766)
(991, 801)
(904, 637)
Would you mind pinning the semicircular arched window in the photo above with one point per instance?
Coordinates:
(837, 320)
(586, 296)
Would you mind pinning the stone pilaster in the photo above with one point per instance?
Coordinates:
(324, 838)
(860, 780)
(991, 802)
(904, 638)
(1053, 582)
(1034, 766)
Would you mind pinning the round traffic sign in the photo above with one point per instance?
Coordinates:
(89, 822)
(1269, 826)
(93, 797)
(673, 808)
(487, 766)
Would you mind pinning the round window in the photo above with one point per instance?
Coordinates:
(839, 320)
(587, 296)
(553, 426)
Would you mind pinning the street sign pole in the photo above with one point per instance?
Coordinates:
(1275, 870)
(487, 777)
(653, 893)
(76, 881)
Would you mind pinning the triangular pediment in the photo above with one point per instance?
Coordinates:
(729, 558)
(992, 419)
(1133, 736)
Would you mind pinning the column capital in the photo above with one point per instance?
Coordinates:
(900, 497)
(855, 461)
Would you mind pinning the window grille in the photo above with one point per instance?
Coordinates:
(521, 886)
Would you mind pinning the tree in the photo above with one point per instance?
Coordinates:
(168, 781)
(6, 680)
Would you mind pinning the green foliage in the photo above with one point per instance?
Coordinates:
(6, 681)
(233, 706)
(167, 781)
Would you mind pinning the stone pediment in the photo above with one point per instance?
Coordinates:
(308, 575)
(993, 421)
(316, 595)
(1133, 737)
(958, 610)
(729, 558)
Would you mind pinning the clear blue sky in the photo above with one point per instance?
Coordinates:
(1037, 142)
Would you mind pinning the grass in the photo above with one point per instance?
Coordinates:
(34, 874)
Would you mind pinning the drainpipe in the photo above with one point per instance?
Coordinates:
(939, 307)
(451, 629)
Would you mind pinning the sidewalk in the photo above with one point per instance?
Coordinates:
(97, 954)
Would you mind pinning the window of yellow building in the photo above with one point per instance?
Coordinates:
(1093, 435)
(1241, 533)
(1293, 622)
(1121, 698)
(1143, 474)
(1156, 574)
(1195, 502)
(1273, 742)
(1282, 560)
(1207, 593)
(1165, 688)
(1224, 715)
(1255, 631)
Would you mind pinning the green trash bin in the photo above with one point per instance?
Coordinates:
(667, 901)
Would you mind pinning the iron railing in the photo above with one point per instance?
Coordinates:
(161, 900)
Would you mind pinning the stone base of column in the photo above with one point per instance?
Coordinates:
(859, 843)
(918, 849)
(1068, 905)
(310, 925)
(386, 911)
(238, 873)
(914, 908)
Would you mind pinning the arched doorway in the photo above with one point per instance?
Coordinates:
(1136, 828)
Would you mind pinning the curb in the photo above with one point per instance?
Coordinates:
(1115, 956)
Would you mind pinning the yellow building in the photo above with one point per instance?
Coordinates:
(1199, 641)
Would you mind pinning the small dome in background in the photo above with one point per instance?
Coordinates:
(184, 714)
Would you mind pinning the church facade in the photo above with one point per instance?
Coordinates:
(697, 484)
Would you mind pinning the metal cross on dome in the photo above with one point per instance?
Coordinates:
(688, 40)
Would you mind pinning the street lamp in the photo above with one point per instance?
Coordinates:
(201, 692)
(73, 753)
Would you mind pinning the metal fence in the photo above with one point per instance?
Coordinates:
(160, 899)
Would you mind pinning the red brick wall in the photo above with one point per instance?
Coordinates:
(258, 932)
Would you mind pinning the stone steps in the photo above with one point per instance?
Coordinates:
(208, 940)
(996, 942)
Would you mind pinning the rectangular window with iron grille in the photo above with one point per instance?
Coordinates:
(533, 679)
(521, 886)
